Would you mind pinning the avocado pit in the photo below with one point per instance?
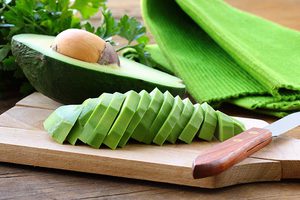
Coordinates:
(85, 46)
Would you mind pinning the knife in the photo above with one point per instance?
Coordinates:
(224, 155)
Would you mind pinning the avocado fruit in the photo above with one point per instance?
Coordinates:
(208, 127)
(71, 81)
(88, 107)
(192, 127)
(170, 122)
(185, 116)
(91, 123)
(116, 117)
(142, 131)
(107, 119)
(60, 122)
(225, 127)
(161, 116)
(118, 128)
(143, 105)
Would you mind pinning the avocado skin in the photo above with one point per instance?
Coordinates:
(70, 84)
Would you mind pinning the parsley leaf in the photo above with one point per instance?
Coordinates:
(109, 26)
(131, 29)
(88, 8)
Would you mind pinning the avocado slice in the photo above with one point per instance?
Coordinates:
(192, 127)
(70, 81)
(208, 127)
(185, 116)
(88, 107)
(95, 117)
(142, 130)
(61, 121)
(161, 117)
(225, 127)
(118, 128)
(238, 126)
(138, 115)
(170, 122)
(107, 119)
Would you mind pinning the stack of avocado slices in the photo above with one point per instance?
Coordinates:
(155, 117)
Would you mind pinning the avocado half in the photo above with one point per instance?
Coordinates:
(69, 80)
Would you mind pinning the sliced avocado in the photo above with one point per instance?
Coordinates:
(142, 129)
(118, 128)
(238, 126)
(225, 127)
(170, 122)
(88, 107)
(107, 119)
(61, 121)
(193, 125)
(209, 124)
(161, 117)
(69, 80)
(185, 116)
(141, 110)
(95, 117)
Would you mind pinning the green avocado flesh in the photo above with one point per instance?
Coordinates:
(170, 122)
(142, 131)
(60, 122)
(106, 121)
(238, 126)
(192, 127)
(209, 124)
(88, 107)
(116, 132)
(95, 117)
(161, 116)
(185, 116)
(69, 80)
(225, 127)
(145, 100)
(156, 117)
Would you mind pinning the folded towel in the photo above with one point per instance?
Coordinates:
(226, 55)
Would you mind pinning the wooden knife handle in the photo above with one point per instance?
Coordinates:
(224, 155)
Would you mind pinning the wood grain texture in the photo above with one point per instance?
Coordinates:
(24, 141)
(24, 182)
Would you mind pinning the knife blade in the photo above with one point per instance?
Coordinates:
(224, 155)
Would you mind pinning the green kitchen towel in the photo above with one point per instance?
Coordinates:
(224, 54)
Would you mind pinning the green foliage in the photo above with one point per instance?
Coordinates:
(50, 17)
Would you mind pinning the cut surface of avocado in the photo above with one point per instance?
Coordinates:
(72, 81)
(118, 128)
(95, 117)
(193, 125)
(61, 121)
(238, 126)
(88, 107)
(161, 117)
(107, 119)
(141, 110)
(170, 122)
(185, 116)
(209, 124)
(142, 130)
(225, 127)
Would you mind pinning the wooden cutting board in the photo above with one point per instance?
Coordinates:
(23, 141)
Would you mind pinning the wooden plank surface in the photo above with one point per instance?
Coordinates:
(22, 182)
(24, 141)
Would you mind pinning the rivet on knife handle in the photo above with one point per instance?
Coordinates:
(224, 155)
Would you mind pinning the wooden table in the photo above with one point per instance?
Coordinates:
(23, 182)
